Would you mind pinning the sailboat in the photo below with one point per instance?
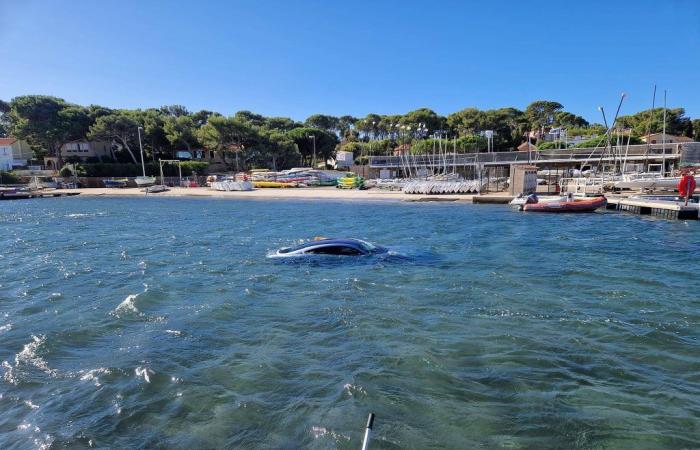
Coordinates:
(143, 180)
(650, 180)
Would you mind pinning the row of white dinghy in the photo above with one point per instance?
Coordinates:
(442, 187)
(230, 185)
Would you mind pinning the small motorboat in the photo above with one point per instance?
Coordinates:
(565, 204)
(324, 246)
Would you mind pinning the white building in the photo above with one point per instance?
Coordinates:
(344, 159)
(14, 153)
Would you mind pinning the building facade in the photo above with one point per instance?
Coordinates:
(658, 138)
(14, 153)
(82, 149)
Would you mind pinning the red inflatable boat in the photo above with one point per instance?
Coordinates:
(567, 204)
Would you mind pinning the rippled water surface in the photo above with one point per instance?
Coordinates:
(155, 322)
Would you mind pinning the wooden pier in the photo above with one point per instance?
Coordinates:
(28, 195)
(657, 208)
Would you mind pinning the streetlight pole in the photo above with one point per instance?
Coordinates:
(143, 165)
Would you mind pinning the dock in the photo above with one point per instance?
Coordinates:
(658, 208)
(28, 195)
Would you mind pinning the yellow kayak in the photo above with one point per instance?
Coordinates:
(273, 184)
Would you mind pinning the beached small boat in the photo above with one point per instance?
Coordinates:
(274, 184)
(115, 182)
(231, 185)
(143, 181)
(351, 181)
(567, 204)
(155, 189)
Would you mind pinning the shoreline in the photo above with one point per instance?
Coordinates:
(317, 193)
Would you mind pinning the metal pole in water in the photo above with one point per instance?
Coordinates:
(368, 431)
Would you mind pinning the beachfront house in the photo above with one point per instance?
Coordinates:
(561, 134)
(14, 153)
(82, 149)
(658, 138)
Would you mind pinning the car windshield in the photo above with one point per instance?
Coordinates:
(366, 246)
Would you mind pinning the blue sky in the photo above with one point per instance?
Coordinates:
(296, 58)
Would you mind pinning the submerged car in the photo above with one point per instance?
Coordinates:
(323, 246)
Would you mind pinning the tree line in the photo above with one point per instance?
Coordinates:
(250, 140)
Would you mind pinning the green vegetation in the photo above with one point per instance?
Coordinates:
(8, 178)
(249, 140)
(600, 141)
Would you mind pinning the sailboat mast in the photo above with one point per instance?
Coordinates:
(651, 116)
(663, 140)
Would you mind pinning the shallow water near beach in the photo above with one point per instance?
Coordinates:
(157, 322)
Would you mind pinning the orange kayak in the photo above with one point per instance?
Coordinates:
(567, 205)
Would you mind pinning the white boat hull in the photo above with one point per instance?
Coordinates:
(145, 181)
(232, 186)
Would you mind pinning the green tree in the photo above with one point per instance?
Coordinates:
(429, 118)
(174, 110)
(250, 118)
(227, 135)
(181, 130)
(323, 122)
(154, 139)
(541, 114)
(324, 140)
(696, 129)
(652, 121)
(466, 122)
(345, 125)
(280, 124)
(274, 150)
(4, 125)
(369, 125)
(47, 122)
(569, 120)
(120, 127)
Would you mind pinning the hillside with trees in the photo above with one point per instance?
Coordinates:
(248, 140)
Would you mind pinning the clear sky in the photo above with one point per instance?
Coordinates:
(296, 58)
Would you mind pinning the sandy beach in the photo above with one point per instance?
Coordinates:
(319, 193)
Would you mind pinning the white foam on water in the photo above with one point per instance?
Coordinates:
(144, 372)
(127, 306)
(5, 328)
(41, 442)
(174, 332)
(92, 375)
(31, 404)
(320, 432)
(28, 357)
(352, 389)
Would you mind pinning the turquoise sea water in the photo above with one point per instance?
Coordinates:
(155, 322)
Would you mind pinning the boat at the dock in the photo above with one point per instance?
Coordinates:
(563, 204)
